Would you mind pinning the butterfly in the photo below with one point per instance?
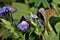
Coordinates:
(47, 15)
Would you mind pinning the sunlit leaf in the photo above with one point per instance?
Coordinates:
(30, 1)
(31, 38)
(37, 3)
(56, 1)
(45, 3)
(57, 26)
(23, 37)
(5, 22)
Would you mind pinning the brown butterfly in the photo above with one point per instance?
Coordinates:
(48, 14)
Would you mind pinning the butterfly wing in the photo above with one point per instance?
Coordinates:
(49, 13)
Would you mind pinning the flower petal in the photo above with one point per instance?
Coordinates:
(11, 9)
(2, 10)
(23, 25)
(41, 23)
(31, 18)
(26, 26)
(41, 10)
(35, 16)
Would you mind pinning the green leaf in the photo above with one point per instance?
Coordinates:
(56, 1)
(23, 37)
(30, 1)
(16, 21)
(5, 22)
(6, 34)
(2, 29)
(45, 3)
(3, 32)
(16, 35)
(37, 3)
(31, 38)
(22, 10)
(51, 36)
(57, 26)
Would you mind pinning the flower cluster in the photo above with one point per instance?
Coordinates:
(6, 9)
(23, 25)
(35, 16)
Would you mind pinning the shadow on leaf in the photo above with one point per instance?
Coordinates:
(20, 1)
(53, 20)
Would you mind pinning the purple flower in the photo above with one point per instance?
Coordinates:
(11, 9)
(2, 11)
(23, 25)
(41, 23)
(0, 15)
(41, 10)
(31, 18)
(35, 16)
(6, 9)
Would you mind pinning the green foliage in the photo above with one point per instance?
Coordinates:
(31, 38)
(12, 29)
(26, 11)
(57, 26)
(37, 3)
(56, 1)
(7, 23)
(45, 3)
(20, 7)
